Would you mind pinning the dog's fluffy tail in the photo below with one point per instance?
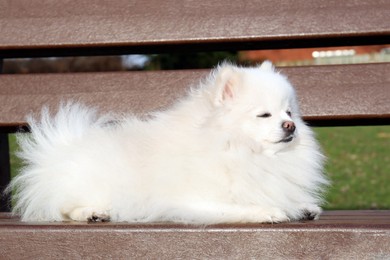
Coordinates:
(38, 149)
(71, 122)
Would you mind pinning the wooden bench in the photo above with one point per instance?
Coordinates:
(329, 95)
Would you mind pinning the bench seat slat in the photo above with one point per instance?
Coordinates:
(365, 235)
(337, 93)
(30, 27)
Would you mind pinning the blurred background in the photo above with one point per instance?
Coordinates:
(199, 60)
(358, 157)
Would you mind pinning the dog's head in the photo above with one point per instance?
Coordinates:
(257, 106)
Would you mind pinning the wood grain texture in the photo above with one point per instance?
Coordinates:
(353, 92)
(337, 235)
(333, 94)
(151, 25)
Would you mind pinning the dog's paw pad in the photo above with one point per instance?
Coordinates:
(90, 214)
(307, 215)
(311, 212)
(96, 217)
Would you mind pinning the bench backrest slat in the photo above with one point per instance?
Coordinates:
(328, 93)
(39, 28)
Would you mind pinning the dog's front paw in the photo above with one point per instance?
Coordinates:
(275, 215)
(98, 217)
(310, 212)
(90, 214)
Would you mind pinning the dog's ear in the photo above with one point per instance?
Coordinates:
(267, 65)
(227, 81)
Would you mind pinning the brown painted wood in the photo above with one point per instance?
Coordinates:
(155, 26)
(352, 92)
(365, 235)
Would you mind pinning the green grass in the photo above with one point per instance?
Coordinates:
(358, 166)
(16, 163)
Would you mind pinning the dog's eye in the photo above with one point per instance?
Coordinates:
(265, 115)
(288, 113)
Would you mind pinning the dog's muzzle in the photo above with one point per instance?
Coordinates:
(288, 129)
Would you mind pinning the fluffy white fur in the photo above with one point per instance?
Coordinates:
(219, 155)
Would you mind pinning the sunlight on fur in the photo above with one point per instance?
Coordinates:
(234, 149)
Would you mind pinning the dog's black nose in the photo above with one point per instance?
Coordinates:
(288, 127)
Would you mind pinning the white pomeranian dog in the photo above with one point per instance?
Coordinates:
(235, 149)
